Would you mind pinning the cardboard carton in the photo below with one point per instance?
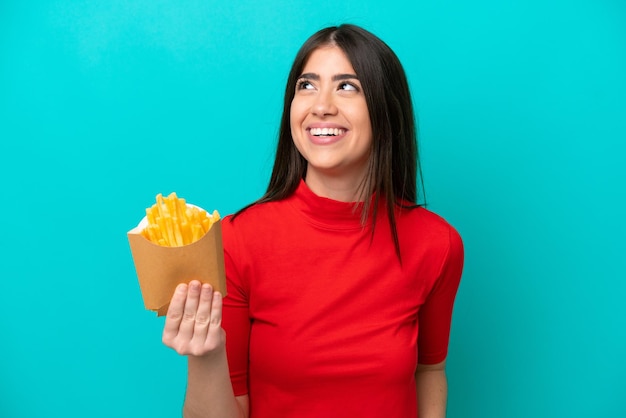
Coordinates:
(160, 269)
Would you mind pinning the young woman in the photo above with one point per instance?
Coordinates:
(340, 286)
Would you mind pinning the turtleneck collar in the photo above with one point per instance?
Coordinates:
(325, 212)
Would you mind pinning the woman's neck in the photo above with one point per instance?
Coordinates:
(337, 188)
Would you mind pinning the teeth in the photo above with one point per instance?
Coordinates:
(326, 131)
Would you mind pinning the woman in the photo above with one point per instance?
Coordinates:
(340, 287)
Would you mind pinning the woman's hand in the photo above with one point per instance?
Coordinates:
(193, 325)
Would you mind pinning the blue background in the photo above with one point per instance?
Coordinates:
(522, 114)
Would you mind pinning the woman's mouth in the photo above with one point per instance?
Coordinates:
(326, 131)
(326, 136)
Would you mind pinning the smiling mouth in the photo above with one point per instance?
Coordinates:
(326, 131)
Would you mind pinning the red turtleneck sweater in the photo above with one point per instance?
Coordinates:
(322, 320)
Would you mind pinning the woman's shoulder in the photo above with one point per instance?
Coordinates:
(257, 216)
(424, 233)
(421, 216)
(423, 222)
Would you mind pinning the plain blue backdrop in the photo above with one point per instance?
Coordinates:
(522, 121)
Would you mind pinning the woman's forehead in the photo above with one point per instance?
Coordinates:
(328, 59)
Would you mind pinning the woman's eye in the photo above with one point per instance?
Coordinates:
(348, 87)
(304, 85)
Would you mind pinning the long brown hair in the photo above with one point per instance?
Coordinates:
(394, 168)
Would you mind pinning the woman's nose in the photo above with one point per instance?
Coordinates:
(324, 104)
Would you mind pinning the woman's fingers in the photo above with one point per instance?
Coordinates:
(187, 322)
(175, 314)
(216, 311)
(193, 325)
(215, 335)
(203, 315)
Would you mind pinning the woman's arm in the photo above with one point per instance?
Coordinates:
(432, 390)
(193, 327)
(209, 391)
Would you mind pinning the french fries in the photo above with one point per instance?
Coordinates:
(173, 223)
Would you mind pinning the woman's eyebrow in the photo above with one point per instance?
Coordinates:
(336, 77)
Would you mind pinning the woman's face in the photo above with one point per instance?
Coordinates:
(330, 123)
